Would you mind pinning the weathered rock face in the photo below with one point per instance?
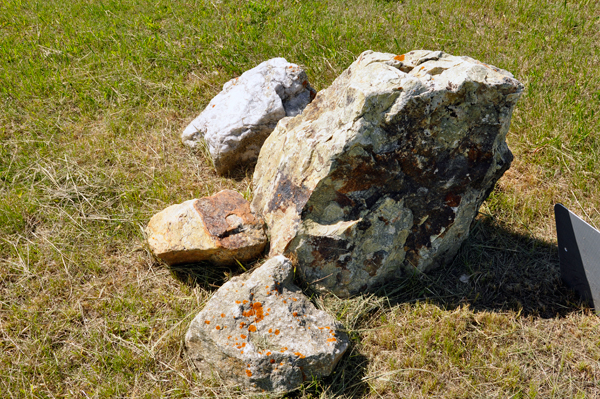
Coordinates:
(259, 331)
(239, 119)
(219, 229)
(387, 168)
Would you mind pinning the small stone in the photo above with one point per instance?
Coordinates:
(383, 173)
(220, 229)
(238, 120)
(271, 337)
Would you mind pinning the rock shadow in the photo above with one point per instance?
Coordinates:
(495, 270)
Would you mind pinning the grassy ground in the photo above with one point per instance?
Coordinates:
(93, 97)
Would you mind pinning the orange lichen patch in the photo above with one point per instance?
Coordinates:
(229, 337)
(218, 327)
(207, 321)
(320, 328)
(248, 313)
(272, 360)
(252, 328)
(244, 344)
(238, 302)
(222, 314)
(245, 301)
(242, 352)
(268, 309)
(277, 332)
(399, 57)
(268, 353)
(294, 299)
(243, 336)
(284, 301)
(270, 330)
(258, 309)
(331, 340)
(328, 328)
(281, 364)
(299, 355)
(295, 314)
(242, 324)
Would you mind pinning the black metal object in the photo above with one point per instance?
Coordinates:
(579, 252)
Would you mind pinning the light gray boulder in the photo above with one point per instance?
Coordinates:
(260, 332)
(386, 169)
(238, 120)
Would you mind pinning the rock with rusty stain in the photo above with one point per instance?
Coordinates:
(237, 121)
(385, 170)
(260, 332)
(218, 229)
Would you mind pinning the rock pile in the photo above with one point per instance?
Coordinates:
(381, 174)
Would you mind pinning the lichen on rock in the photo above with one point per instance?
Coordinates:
(259, 331)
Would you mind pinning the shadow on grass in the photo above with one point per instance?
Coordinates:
(494, 270)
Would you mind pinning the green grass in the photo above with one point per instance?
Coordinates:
(93, 97)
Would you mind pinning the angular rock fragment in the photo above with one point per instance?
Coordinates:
(238, 120)
(259, 331)
(218, 229)
(386, 169)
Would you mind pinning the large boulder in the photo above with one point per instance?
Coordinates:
(260, 332)
(387, 168)
(238, 120)
(219, 229)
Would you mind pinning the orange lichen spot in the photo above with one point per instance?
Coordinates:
(252, 328)
(331, 340)
(238, 302)
(222, 314)
(328, 328)
(245, 301)
(270, 330)
(272, 360)
(267, 287)
(399, 57)
(309, 328)
(284, 301)
(207, 321)
(294, 299)
(248, 313)
(282, 351)
(281, 364)
(320, 328)
(277, 332)
(242, 324)
(300, 355)
(258, 309)
(268, 309)
(268, 353)
(295, 314)
(242, 352)
(244, 344)
(229, 337)
(218, 327)
(243, 336)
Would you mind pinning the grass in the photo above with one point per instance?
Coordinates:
(93, 97)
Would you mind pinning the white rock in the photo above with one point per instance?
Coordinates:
(238, 120)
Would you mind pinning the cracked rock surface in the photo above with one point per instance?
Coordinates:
(260, 332)
(386, 169)
(219, 229)
(237, 121)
